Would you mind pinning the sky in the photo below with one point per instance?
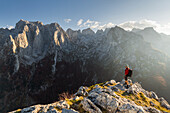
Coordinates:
(96, 14)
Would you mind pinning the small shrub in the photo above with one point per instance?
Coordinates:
(65, 95)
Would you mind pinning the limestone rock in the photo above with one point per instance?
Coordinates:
(114, 88)
(123, 81)
(153, 95)
(164, 103)
(104, 98)
(62, 104)
(105, 101)
(29, 109)
(88, 31)
(82, 91)
(89, 106)
(121, 87)
(111, 82)
(136, 88)
(69, 111)
(129, 108)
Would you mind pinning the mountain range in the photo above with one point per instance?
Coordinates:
(38, 61)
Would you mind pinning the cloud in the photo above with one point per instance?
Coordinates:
(164, 29)
(79, 22)
(129, 25)
(108, 25)
(8, 26)
(67, 20)
(139, 24)
(91, 24)
(94, 24)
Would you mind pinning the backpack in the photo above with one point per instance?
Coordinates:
(130, 73)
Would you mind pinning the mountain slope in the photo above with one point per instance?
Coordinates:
(158, 41)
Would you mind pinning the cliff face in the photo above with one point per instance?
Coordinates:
(38, 62)
(107, 97)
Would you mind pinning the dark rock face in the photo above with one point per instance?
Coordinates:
(38, 62)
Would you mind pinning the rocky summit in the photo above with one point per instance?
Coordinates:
(107, 97)
(38, 62)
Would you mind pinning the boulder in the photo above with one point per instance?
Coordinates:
(121, 87)
(111, 82)
(164, 103)
(130, 108)
(114, 88)
(105, 101)
(81, 91)
(153, 95)
(136, 88)
(40, 108)
(89, 106)
(103, 90)
(123, 81)
(63, 104)
(28, 109)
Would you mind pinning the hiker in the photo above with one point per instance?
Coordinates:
(128, 73)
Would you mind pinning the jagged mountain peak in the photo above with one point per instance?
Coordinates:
(99, 32)
(149, 28)
(116, 29)
(119, 34)
(32, 41)
(20, 24)
(135, 30)
(149, 34)
(69, 30)
(21, 21)
(88, 31)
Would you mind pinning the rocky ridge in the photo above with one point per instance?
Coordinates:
(38, 62)
(107, 97)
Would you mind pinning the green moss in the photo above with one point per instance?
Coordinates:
(141, 100)
(112, 84)
(77, 100)
(92, 86)
(18, 111)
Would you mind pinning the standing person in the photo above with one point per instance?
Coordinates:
(128, 73)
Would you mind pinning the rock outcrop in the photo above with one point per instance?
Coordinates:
(101, 98)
